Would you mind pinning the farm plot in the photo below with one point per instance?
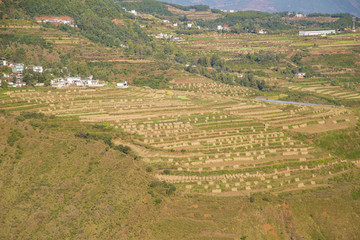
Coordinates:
(231, 45)
(321, 88)
(205, 137)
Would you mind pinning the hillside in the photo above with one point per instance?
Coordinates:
(305, 6)
(229, 125)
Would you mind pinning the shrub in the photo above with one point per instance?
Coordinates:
(14, 136)
(158, 201)
(29, 115)
(171, 189)
(163, 187)
(122, 148)
(355, 193)
(266, 199)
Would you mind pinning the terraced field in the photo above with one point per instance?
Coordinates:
(206, 138)
(65, 42)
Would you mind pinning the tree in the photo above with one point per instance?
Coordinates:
(4, 84)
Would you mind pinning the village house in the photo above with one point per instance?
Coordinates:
(317, 33)
(301, 75)
(262, 31)
(178, 39)
(38, 69)
(300, 15)
(59, 83)
(163, 36)
(223, 28)
(133, 12)
(122, 85)
(3, 62)
(18, 68)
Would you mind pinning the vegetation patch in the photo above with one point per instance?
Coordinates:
(345, 143)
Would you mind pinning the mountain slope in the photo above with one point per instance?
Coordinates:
(306, 6)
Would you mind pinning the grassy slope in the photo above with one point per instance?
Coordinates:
(53, 185)
(344, 143)
(319, 214)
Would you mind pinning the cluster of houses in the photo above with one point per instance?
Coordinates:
(162, 36)
(168, 23)
(192, 25)
(57, 21)
(226, 28)
(297, 15)
(15, 78)
(82, 82)
(165, 36)
(175, 25)
(76, 81)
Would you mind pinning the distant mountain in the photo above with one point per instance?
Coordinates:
(305, 6)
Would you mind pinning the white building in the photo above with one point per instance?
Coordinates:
(220, 28)
(317, 33)
(262, 31)
(122, 85)
(189, 25)
(301, 75)
(300, 15)
(133, 12)
(178, 39)
(59, 83)
(163, 36)
(73, 80)
(38, 69)
(18, 68)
